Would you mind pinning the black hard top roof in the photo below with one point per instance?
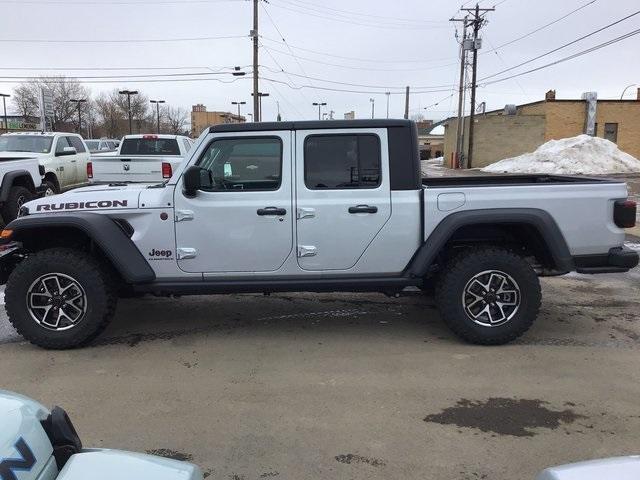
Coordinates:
(308, 125)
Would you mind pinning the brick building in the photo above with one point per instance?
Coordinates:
(519, 129)
(201, 119)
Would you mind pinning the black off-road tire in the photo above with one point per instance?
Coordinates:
(97, 283)
(462, 269)
(18, 196)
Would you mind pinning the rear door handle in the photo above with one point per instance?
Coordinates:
(273, 211)
(363, 209)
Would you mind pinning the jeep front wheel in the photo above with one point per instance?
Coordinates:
(488, 296)
(59, 298)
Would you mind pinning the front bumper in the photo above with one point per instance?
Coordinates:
(619, 259)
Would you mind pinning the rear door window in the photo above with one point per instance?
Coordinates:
(77, 144)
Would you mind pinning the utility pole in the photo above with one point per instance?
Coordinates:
(79, 103)
(406, 104)
(319, 105)
(373, 107)
(256, 87)
(238, 104)
(128, 93)
(477, 21)
(457, 158)
(157, 102)
(4, 104)
(388, 94)
(279, 117)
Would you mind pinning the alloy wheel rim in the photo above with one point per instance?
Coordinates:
(49, 192)
(56, 301)
(491, 298)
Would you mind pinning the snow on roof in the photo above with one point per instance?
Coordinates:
(584, 154)
(439, 130)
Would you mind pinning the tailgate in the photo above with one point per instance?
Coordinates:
(131, 168)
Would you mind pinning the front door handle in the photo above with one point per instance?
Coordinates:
(273, 211)
(363, 209)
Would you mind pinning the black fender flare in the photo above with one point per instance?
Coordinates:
(8, 180)
(104, 231)
(541, 220)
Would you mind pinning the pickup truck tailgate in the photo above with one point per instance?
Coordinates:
(132, 168)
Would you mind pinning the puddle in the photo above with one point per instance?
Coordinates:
(504, 416)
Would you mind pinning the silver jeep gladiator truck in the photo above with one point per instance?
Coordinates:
(310, 206)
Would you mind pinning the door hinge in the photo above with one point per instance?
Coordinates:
(307, 251)
(305, 213)
(184, 215)
(186, 253)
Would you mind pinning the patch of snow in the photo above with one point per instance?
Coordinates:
(583, 155)
(439, 130)
(633, 246)
(2, 295)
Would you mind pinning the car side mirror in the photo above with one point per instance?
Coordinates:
(196, 178)
(66, 151)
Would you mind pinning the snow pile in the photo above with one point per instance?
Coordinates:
(432, 163)
(583, 154)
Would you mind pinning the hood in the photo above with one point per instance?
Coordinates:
(96, 197)
(20, 155)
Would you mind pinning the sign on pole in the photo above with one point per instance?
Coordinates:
(46, 108)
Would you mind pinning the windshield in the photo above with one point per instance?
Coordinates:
(92, 144)
(25, 143)
(150, 146)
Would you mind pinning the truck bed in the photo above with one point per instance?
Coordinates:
(511, 179)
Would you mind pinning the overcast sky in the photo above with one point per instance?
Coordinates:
(382, 43)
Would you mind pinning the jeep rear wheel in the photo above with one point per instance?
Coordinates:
(18, 196)
(60, 298)
(488, 296)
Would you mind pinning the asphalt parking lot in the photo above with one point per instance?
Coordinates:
(299, 386)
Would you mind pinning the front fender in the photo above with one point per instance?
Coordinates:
(101, 229)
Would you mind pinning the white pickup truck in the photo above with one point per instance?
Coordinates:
(20, 181)
(140, 158)
(311, 206)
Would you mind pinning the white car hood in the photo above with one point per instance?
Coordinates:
(96, 197)
(21, 155)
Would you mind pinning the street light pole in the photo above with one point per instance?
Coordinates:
(373, 107)
(260, 95)
(158, 102)
(621, 96)
(319, 105)
(238, 104)
(79, 103)
(4, 104)
(128, 93)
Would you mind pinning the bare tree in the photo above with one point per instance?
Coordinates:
(63, 89)
(176, 120)
(111, 117)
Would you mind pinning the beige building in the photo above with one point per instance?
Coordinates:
(201, 119)
(523, 128)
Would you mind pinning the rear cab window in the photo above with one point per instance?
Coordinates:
(342, 161)
(150, 146)
(76, 142)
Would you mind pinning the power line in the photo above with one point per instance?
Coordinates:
(353, 67)
(124, 80)
(354, 22)
(384, 87)
(109, 3)
(134, 40)
(570, 57)
(546, 25)
(329, 89)
(66, 69)
(384, 17)
(562, 46)
(358, 59)
(109, 77)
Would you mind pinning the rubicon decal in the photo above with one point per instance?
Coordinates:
(10, 466)
(51, 207)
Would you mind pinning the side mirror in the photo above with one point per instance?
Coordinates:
(66, 151)
(194, 179)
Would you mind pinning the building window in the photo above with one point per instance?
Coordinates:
(611, 132)
(342, 161)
